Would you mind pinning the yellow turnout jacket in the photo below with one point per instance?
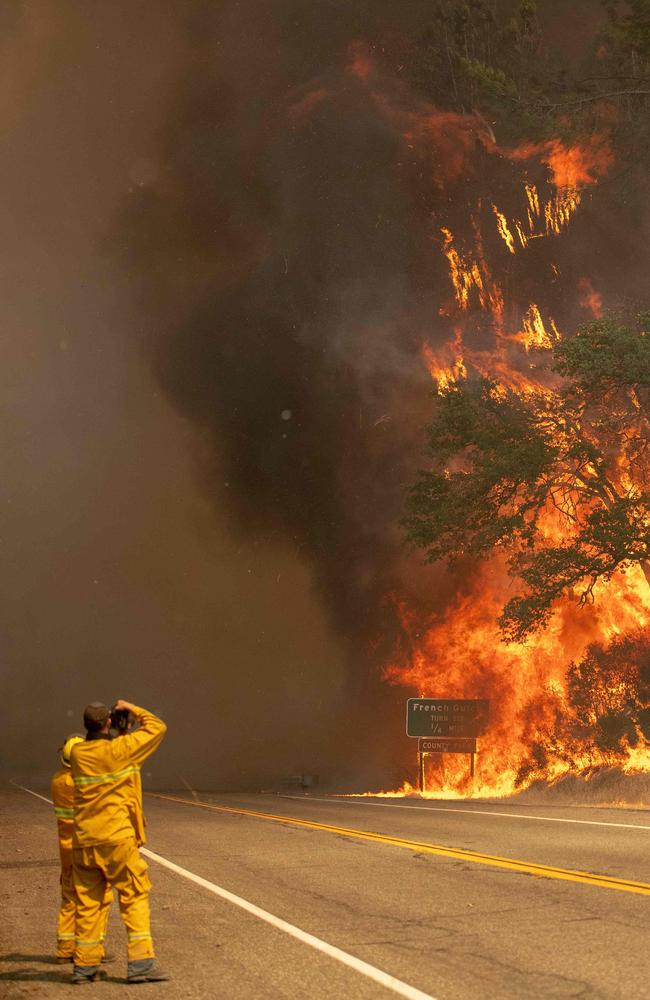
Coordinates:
(63, 799)
(107, 786)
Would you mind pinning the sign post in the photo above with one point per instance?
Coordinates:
(443, 725)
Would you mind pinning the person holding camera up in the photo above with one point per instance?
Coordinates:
(107, 833)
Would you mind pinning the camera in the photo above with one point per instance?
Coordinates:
(122, 720)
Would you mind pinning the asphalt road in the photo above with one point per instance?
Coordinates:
(456, 901)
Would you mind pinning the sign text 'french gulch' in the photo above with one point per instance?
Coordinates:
(445, 717)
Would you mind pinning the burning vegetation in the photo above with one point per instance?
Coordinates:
(441, 202)
(538, 482)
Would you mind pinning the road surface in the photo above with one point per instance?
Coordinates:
(258, 897)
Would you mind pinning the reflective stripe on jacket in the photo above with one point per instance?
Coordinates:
(107, 788)
(63, 798)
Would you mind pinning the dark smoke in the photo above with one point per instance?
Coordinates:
(118, 578)
(296, 340)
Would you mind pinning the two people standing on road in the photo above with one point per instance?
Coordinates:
(108, 829)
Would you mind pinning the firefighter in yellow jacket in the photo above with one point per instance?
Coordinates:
(62, 798)
(108, 828)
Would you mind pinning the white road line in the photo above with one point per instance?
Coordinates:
(382, 978)
(358, 965)
(471, 812)
(30, 792)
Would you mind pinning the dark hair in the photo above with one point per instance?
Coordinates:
(96, 716)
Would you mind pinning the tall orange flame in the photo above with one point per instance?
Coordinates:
(459, 652)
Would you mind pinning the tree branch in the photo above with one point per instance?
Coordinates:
(596, 97)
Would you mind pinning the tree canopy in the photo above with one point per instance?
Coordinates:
(557, 476)
(494, 57)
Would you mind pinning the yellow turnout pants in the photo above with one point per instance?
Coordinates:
(120, 866)
(68, 910)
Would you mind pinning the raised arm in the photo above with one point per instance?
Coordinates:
(141, 744)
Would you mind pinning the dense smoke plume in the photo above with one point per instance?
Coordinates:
(301, 266)
(119, 578)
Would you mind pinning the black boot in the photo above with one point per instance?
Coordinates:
(143, 971)
(80, 978)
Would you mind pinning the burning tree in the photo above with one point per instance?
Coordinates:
(604, 715)
(609, 692)
(557, 475)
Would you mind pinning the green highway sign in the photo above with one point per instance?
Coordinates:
(444, 717)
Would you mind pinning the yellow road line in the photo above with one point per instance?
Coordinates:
(459, 854)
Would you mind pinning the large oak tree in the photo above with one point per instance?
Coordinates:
(558, 476)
